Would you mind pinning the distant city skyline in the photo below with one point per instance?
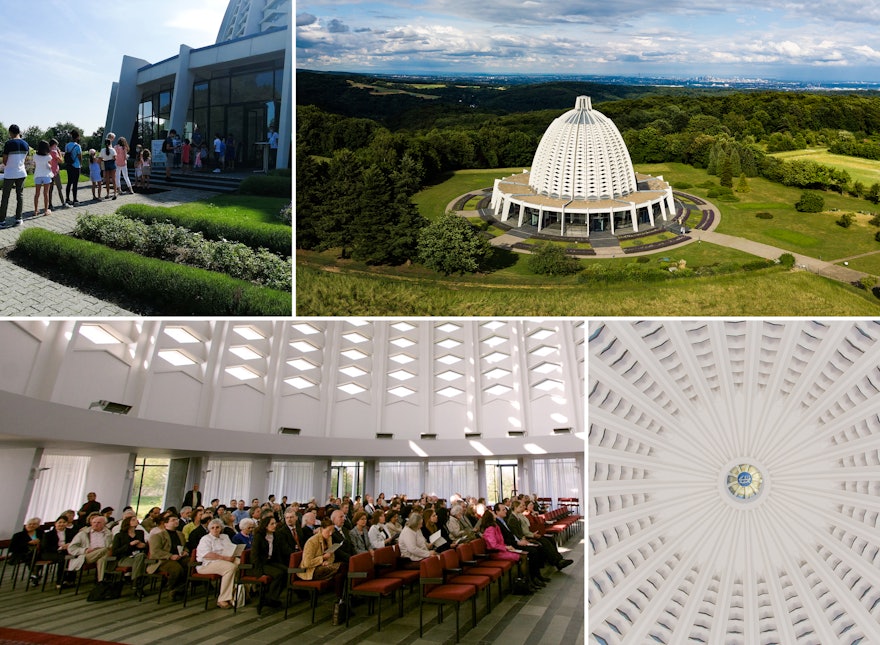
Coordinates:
(777, 39)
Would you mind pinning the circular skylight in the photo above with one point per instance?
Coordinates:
(744, 481)
(735, 482)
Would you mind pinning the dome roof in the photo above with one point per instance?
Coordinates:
(734, 493)
(582, 156)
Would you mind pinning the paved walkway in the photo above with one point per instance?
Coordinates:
(23, 293)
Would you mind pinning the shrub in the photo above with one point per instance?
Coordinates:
(451, 245)
(845, 220)
(168, 242)
(764, 215)
(718, 191)
(276, 237)
(174, 289)
(810, 202)
(707, 184)
(643, 259)
(280, 172)
(550, 259)
(786, 260)
(877, 236)
(682, 185)
(286, 214)
(728, 198)
(875, 220)
(271, 186)
(867, 283)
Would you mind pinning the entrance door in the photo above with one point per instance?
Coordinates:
(256, 130)
(500, 480)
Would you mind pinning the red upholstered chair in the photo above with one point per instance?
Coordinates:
(210, 580)
(247, 577)
(313, 587)
(453, 573)
(385, 561)
(470, 565)
(484, 558)
(436, 591)
(362, 581)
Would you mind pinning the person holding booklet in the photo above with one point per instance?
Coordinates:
(435, 534)
(216, 554)
(319, 562)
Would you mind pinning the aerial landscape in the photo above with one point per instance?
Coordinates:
(555, 160)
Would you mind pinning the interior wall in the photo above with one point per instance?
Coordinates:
(105, 473)
(16, 465)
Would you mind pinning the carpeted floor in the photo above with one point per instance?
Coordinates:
(22, 637)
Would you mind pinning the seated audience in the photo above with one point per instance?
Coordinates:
(379, 535)
(431, 526)
(130, 550)
(53, 547)
(167, 547)
(360, 535)
(92, 544)
(214, 556)
(245, 533)
(412, 543)
(519, 524)
(458, 527)
(267, 560)
(24, 548)
(320, 564)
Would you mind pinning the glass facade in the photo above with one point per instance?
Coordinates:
(241, 102)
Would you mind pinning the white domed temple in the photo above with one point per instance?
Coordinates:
(582, 180)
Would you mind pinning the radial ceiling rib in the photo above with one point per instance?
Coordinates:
(735, 482)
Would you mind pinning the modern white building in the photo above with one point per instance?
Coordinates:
(582, 180)
(241, 85)
(734, 491)
(301, 408)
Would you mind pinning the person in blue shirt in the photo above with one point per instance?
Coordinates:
(73, 165)
(15, 152)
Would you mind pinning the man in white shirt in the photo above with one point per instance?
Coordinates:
(273, 146)
(15, 152)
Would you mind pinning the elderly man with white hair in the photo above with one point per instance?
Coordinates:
(214, 555)
(91, 544)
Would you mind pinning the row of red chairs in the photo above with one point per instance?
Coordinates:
(560, 522)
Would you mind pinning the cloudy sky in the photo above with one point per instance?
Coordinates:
(780, 39)
(64, 56)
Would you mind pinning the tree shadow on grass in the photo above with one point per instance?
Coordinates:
(500, 259)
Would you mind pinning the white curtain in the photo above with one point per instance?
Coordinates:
(398, 477)
(59, 488)
(226, 479)
(447, 477)
(556, 477)
(296, 479)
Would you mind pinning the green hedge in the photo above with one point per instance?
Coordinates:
(277, 238)
(173, 289)
(266, 185)
(168, 242)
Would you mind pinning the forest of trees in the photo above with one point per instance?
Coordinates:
(356, 175)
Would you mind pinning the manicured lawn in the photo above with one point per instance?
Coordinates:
(813, 234)
(866, 171)
(770, 292)
(432, 201)
(471, 204)
(641, 241)
(234, 208)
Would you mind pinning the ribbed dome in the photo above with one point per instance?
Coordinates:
(582, 156)
(735, 482)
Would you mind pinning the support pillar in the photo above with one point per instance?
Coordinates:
(505, 211)
(634, 215)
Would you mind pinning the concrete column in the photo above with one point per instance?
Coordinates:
(285, 118)
(669, 202)
(562, 222)
(651, 214)
(505, 210)
(611, 218)
(180, 97)
(634, 216)
(122, 112)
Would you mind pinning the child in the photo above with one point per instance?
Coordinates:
(55, 154)
(186, 157)
(42, 177)
(138, 167)
(108, 156)
(95, 173)
(145, 168)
